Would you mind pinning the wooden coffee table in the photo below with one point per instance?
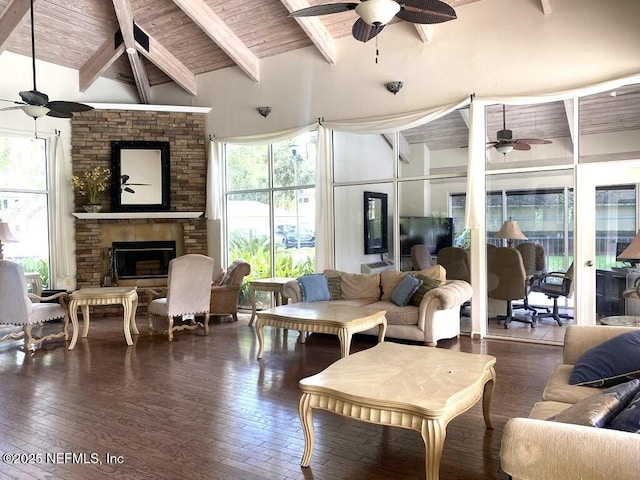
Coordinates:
(321, 317)
(415, 387)
(83, 298)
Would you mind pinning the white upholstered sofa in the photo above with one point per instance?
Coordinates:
(538, 449)
(436, 317)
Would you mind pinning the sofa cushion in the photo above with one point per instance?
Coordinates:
(428, 283)
(407, 315)
(628, 420)
(435, 271)
(559, 390)
(334, 287)
(598, 410)
(389, 280)
(609, 363)
(405, 290)
(360, 285)
(314, 288)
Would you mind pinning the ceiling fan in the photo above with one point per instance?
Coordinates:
(36, 104)
(375, 14)
(506, 143)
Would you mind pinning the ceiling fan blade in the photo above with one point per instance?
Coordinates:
(34, 97)
(15, 107)
(425, 11)
(62, 106)
(364, 32)
(325, 9)
(53, 113)
(521, 146)
(533, 141)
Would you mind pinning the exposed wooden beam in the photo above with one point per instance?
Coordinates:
(170, 65)
(14, 14)
(317, 32)
(546, 7)
(425, 32)
(202, 15)
(125, 20)
(99, 62)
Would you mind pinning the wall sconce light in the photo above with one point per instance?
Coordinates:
(394, 87)
(264, 111)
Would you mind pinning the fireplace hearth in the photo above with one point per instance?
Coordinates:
(142, 259)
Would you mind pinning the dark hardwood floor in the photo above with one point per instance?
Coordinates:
(205, 408)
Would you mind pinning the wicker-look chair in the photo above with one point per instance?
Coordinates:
(19, 308)
(188, 292)
(224, 297)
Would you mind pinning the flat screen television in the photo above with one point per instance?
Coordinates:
(435, 232)
(620, 247)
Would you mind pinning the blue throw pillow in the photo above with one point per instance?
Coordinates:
(612, 362)
(315, 287)
(629, 419)
(405, 290)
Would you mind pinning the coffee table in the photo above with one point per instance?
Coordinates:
(83, 298)
(273, 284)
(409, 386)
(320, 317)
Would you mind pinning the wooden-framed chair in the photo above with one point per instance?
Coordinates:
(19, 308)
(224, 297)
(188, 294)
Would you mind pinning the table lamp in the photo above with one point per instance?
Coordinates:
(631, 254)
(511, 231)
(5, 236)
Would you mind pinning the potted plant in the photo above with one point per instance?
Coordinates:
(92, 184)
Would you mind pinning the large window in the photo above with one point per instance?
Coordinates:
(24, 199)
(270, 206)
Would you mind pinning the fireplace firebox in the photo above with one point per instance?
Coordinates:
(138, 260)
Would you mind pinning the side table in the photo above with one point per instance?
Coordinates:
(83, 298)
(273, 284)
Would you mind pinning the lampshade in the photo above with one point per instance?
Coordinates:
(632, 252)
(5, 236)
(511, 231)
(377, 12)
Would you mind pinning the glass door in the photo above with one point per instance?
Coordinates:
(606, 212)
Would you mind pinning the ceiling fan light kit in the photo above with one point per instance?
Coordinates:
(35, 111)
(504, 149)
(377, 12)
(505, 143)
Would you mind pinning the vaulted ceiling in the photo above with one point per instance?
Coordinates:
(151, 42)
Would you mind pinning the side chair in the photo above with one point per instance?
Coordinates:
(19, 308)
(554, 285)
(188, 293)
(535, 263)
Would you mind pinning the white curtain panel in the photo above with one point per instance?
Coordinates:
(324, 200)
(60, 258)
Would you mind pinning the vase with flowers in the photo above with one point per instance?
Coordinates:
(92, 184)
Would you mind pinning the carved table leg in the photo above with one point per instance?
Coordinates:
(433, 434)
(260, 334)
(486, 398)
(252, 300)
(85, 320)
(345, 336)
(306, 419)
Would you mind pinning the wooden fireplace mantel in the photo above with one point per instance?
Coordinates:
(130, 215)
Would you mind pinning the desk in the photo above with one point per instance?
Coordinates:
(83, 298)
(410, 386)
(273, 284)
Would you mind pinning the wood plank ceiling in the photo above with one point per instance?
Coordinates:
(175, 40)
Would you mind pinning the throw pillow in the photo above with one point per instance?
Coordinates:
(405, 289)
(334, 288)
(599, 410)
(389, 280)
(628, 420)
(609, 363)
(218, 278)
(314, 288)
(435, 271)
(428, 283)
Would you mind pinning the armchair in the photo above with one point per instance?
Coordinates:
(224, 297)
(554, 285)
(535, 263)
(17, 307)
(188, 287)
(508, 278)
(456, 262)
(420, 257)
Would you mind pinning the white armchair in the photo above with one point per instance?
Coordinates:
(188, 294)
(17, 307)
